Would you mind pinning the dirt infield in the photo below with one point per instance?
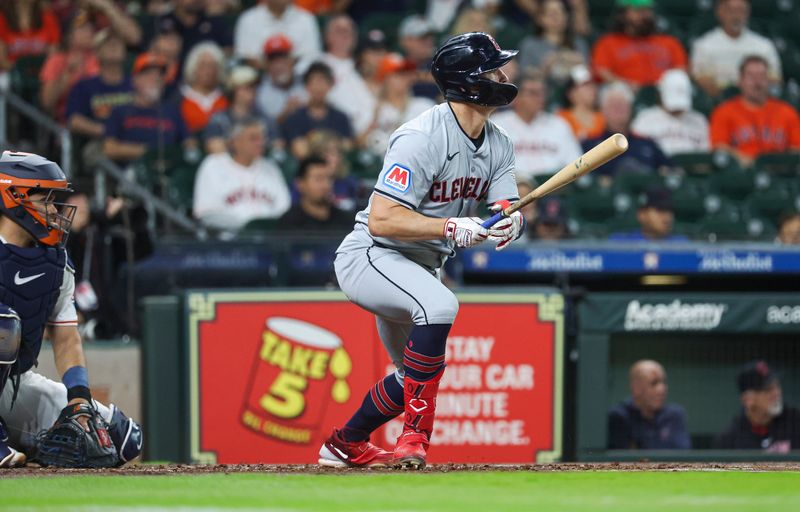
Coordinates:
(188, 469)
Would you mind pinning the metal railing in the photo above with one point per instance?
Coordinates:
(104, 168)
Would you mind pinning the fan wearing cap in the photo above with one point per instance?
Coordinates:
(580, 99)
(369, 54)
(63, 69)
(643, 154)
(269, 17)
(281, 91)
(672, 123)
(655, 216)
(551, 220)
(241, 88)
(148, 122)
(633, 51)
(417, 43)
(91, 100)
(396, 105)
(543, 142)
(764, 422)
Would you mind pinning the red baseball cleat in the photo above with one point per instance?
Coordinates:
(411, 449)
(338, 453)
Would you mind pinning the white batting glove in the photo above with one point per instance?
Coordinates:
(509, 228)
(465, 231)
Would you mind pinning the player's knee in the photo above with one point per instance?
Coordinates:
(126, 435)
(446, 309)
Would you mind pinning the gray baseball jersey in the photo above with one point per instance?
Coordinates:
(434, 168)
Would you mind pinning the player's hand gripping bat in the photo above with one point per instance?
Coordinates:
(610, 148)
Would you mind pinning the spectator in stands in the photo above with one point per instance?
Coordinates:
(369, 56)
(350, 93)
(672, 123)
(27, 28)
(754, 123)
(318, 114)
(315, 210)
(655, 217)
(580, 100)
(633, 51)
(543, 142)
(104, 14)
(643, 154)
(554, 49)
(234, 188)
(242, 96)
(645, 421)
(716, 55)
(91, 100)
(281, 91)
(417, 43)
(202, 94)
(148, 122)
(765, 422)
(578, 14)
(169, 46)
(471, 19)
(270, 17)
(551, 220)
(396, 105)
(346, 187)
(63, 69)
(188, 19)
(789, 228)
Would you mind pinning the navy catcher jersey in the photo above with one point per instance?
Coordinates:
(434, 168)
(32, 282)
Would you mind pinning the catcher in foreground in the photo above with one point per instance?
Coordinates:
(55, 424)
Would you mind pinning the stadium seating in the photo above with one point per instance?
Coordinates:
(25, 77)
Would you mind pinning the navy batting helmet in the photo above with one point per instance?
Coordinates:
(459, 64)
(23, 175)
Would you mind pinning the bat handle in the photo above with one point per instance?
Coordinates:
(494, 219)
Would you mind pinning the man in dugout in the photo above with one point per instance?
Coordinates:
(764, 422)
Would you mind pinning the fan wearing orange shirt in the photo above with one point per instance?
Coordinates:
(633, 51)
(202, 95)
(754, 123)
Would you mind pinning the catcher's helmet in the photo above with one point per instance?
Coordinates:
(460, 62)
(26, 174)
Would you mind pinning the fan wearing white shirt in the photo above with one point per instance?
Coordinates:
(350, 92)
(234, 188)
(717, 54)
(269, 17)
(673, 124)
(543, 142)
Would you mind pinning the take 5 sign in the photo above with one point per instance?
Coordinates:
(272, 373)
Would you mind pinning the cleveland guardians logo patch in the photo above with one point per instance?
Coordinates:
(397, 178)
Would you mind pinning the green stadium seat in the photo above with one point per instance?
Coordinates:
(364, 164)
(786, 164)
(511, 34)
(695, 164)
(733, 184)
(773, 202)
(769, 10)
(387, 22)
(702, 102)
(592, 205)
(725, 224)
(634, 183)
(24, 77)
(688, 204)
(683, 8)
(700, 24)
(623, 223)
(647, 96)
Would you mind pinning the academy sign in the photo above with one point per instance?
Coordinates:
(673, 316)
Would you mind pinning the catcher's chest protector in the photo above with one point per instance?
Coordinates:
(30, 280)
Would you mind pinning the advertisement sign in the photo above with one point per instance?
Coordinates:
(272, 373)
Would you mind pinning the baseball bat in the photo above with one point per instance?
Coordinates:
(610, 148)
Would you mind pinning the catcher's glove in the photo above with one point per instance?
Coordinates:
(68, 445)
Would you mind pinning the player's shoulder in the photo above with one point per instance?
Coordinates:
(425, 129)
(495, 130)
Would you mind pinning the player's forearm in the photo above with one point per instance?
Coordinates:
(67, 348)
(117, 150)
(398, 222)
(84, 126)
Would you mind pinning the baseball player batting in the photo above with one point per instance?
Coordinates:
(56, 422)
(437, 168)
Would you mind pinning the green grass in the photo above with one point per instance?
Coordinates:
(490, 491)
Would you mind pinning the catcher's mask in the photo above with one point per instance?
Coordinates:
(30, 186)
